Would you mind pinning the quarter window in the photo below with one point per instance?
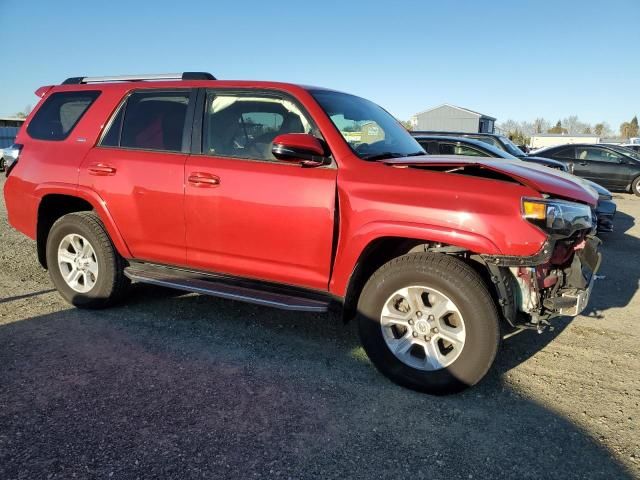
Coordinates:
(150, 121)
(245, 126)
(59, 114)
(565, 153)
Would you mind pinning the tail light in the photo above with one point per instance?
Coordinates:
(10, 155)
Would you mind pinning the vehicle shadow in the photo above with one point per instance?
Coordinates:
(620, 271)
(184, 386)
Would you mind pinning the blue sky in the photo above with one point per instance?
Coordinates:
(513, 60)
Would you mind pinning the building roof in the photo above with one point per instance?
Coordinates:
(586, 135)
(12, 119)
(478, 114)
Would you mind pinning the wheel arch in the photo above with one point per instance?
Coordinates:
(56, 202)
(382, 249)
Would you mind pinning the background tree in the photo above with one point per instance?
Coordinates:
(602, 129)
(558, 129)
(633, 131)
(629, 129)
(24, 113)
(540, 125)
(406, 124)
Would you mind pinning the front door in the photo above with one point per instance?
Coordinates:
(138, 170)
(248, 214)
(602, 166)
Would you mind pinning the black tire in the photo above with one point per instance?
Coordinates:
(111, 283)
(2, 164)
(465, 288)
(635, 187)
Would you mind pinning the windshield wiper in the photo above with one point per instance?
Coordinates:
(385, 155)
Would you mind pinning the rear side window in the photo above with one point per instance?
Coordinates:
(59, 114)
(149, 121)
(565, 153)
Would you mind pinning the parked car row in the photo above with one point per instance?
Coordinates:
(452, 144)
(304, 199)
(615, 167)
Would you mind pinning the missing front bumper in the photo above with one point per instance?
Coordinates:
(573, 297)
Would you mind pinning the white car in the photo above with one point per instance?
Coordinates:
(633, 146)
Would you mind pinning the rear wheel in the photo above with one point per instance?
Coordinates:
(635, 186)
(83, 263)
(428, 322)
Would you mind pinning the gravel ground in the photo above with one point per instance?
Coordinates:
(185, 386)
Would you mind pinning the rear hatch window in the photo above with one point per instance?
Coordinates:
(59, 114)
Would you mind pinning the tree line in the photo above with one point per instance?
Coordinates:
(521, 132)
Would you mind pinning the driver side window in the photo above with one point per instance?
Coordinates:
(245, 125)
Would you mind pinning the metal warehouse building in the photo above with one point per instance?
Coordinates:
(9, 127)
(541, 140)
(449, 118)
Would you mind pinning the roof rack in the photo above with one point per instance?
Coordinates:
(140, 78)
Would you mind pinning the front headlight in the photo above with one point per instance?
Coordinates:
(558, 217)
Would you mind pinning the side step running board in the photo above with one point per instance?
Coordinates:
(229, 288)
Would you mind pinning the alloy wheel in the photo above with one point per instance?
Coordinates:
(423, 328)
(78, 263)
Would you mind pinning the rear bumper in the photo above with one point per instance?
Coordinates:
(22, 207)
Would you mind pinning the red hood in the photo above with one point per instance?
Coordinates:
(543, 180)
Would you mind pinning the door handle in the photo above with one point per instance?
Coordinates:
(584, 164)
(198, 179)
(101, 169)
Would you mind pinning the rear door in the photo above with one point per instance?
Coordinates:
(248, 214)
(138, 170)
(566, 155)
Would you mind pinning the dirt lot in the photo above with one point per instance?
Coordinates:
(185, 386)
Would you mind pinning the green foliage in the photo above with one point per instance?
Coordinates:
(518, 137)
(629, 129)
(558, 130)
(406, 124)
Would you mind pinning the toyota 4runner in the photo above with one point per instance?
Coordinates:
(299, 198)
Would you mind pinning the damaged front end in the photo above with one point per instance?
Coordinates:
(555, 282)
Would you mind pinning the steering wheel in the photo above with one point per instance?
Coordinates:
(362, 148)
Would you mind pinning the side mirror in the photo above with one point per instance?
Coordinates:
(300, 148)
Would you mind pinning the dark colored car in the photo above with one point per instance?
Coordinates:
(447, 145)
(497, 140)
(612, 166)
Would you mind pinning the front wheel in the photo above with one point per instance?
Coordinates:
(83, 263)
(635, 186)
(428, 322)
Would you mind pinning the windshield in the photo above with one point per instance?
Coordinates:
(371, 132)
(512, 148)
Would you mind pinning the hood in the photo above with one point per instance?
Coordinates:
(599, 189)
(540, 178)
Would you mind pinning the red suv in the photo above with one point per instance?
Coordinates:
(299, 198)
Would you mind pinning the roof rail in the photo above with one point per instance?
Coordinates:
(139, 78)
